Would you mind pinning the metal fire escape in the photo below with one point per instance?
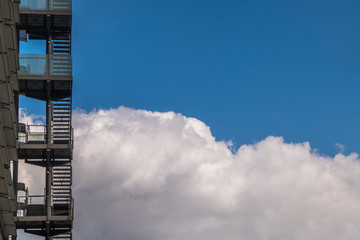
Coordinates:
(47, 77)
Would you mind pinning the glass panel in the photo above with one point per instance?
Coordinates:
(37, 64)
(60, 64)
(33, 64)
(55, 5)
(36, 133)
(33, 5)
(60, 5)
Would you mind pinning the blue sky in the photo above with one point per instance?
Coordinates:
(248, 69)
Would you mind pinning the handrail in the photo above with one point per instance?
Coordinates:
(45, 5)
(32, 200)
(38, 134)
(45, 64)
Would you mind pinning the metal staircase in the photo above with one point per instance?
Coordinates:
(62, 195)
(50, 215)
(60, 58)
(61, 185)
(61, 45)
(64, 236)
(61, 120)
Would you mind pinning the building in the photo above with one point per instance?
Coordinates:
(46, 77)
(9, 17)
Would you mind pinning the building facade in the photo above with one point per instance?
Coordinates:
(9, 64)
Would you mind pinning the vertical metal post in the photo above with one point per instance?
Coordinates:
(15, 162)
(48, 129)
(48, 43)
(48, 159)
(15, 176)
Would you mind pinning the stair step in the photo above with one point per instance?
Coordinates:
(62, 108)
(59, 114)
(62, 100)
(62, 175)
(57, 188)
(61, 195)
(67, 121)
(61, 41)
(61, 57)
(64, 191)
(61, 51)
(57, 44)
(62, 104)
(60, 67)
(68, 193)
(60, 45)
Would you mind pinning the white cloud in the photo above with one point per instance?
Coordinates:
(341, 147)
(141, 175)
(30, 119)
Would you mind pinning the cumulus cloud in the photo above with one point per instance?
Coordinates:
(141, 175)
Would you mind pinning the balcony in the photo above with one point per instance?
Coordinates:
(45, 65)
(32, 216)
(32, 134)
(35, 206)
(37, 134)
(45, 5)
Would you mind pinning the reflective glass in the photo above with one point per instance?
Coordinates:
(33, 5)
(43, 64)
(55, 5)
(33, 64)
